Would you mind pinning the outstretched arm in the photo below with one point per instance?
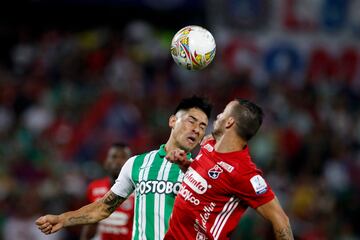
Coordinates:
(276, 215)
(91, 213)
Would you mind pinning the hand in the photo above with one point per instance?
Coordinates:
(49, 224)
(179, 157)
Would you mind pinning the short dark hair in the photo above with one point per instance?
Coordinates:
(119, 145)
(195, 102)
(248, 117)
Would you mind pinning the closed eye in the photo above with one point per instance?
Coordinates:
(193, 120)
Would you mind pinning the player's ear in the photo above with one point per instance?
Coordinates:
(172, 121)
(230, 122)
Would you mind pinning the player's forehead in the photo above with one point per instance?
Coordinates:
(196, 113)
(117, 151)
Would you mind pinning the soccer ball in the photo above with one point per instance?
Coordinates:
(193, 47)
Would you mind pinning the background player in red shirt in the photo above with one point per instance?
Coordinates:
(119, 224)
(222, 182)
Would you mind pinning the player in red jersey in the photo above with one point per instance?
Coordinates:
(119, 224)
(222, 181)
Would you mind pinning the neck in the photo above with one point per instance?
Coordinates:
(229, 142)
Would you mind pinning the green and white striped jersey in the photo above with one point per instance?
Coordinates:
(156, 183)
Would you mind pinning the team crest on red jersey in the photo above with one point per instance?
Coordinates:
(215, 171)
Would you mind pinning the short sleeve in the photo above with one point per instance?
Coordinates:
(254, 190)
(124, 185)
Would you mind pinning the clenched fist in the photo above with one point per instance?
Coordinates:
(50, 223)
(178, 157)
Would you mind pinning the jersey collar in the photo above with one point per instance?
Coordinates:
(162, 152)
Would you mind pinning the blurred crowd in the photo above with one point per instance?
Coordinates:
(66, 96)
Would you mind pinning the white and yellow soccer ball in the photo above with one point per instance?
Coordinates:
(193, 47)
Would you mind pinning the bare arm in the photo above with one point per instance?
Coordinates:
(273, 212)
(91, 213)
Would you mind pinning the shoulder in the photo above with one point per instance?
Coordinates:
(135, 162)
(246, 172)
(146, 156)
(143, 155)
(245, 168)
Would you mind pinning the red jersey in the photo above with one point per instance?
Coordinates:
(119, 224)
(216, 191)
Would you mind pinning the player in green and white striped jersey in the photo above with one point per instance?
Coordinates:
(154, 180)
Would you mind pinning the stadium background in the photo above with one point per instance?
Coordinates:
(77, 75)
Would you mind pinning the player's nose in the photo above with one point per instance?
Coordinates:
(196, 130)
